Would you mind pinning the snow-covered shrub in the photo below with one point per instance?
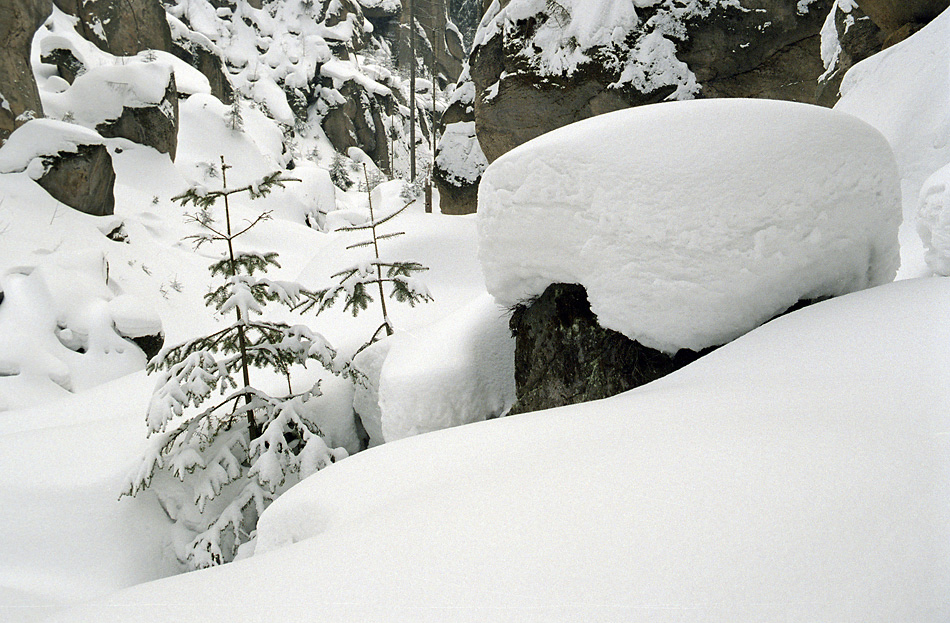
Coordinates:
(338, 173)
(217, 467)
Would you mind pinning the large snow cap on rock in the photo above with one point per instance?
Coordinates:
(691, 223)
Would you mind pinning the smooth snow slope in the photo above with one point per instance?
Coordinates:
(801, 473)
(691, 223)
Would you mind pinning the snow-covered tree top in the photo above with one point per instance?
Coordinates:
(691, 223)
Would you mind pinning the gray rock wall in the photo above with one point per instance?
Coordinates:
(19, 20)
(121, 27)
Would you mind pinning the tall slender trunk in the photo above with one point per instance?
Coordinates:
(379, 270)
(242, 339)
(412, 90)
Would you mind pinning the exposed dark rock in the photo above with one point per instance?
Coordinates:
(83, 180)
(150, 344)
(19, 98)
(359, 123)
(859, 38)
(67, 65)
(563, 356)
(765, 48)
(155, 126)
(121, 27)
(376, 9)
(209, 64)
(455, 198)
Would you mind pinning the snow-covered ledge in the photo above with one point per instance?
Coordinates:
(691, 223)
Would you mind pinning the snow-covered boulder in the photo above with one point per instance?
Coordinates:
(691, 223)
(70, 162)
(135, 99)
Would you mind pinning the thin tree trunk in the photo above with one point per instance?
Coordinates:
(412, 90)
(242, 340)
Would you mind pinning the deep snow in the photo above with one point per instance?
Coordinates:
(799, 473)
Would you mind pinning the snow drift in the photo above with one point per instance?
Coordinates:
(904, 92)
(691, 223)
(800, 473)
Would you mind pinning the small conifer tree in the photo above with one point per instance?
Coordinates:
(220, 449)
(356, 282)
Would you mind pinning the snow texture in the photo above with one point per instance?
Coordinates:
(725, 214)
(933, 221)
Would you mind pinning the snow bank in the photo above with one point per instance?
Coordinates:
(691, 223)
(457, 371)
(904, 92)
(800, 473)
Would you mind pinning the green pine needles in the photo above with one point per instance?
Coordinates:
(355, 283)
(220, 450)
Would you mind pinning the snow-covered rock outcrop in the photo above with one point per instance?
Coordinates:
(538, 64)
(691, 223)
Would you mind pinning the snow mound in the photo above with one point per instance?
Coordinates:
(460, 156)
(100, 93)
(723, 215)
(799, 473)
(457, 371)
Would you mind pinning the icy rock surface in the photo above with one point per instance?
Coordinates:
(725, 214)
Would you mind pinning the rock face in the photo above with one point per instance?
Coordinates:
(155, 126)
(436, 35)
(121, 27)
(19, 20)
(854, 39)
(765, 49)
(900, 19)
(83, 180)
(563, 356)
(358, 122)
